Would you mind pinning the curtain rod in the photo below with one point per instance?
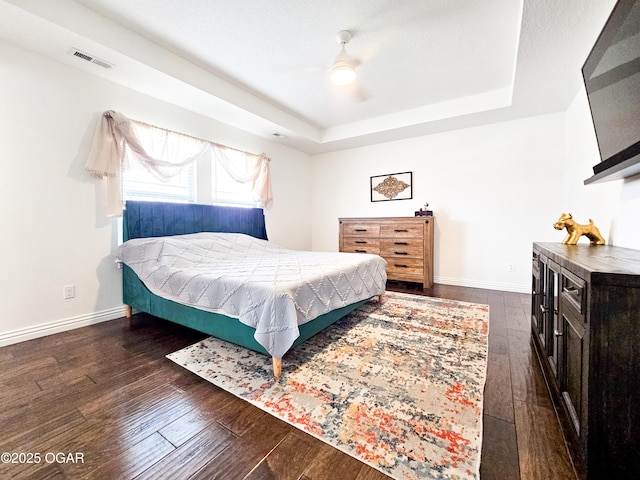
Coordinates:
(108, 114)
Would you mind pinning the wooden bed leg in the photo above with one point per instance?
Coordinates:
(277, 367)
(381, 298)
(127, 311)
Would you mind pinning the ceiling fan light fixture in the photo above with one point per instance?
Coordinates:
(343, 73)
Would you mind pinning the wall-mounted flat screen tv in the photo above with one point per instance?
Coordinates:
(612, 79)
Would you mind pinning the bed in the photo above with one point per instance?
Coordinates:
(182, 232)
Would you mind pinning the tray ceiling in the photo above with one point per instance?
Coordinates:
(423, 65)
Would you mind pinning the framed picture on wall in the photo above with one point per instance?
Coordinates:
(392, 186)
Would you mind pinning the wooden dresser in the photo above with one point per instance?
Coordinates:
(406, 243)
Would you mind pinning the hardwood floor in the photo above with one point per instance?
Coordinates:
(111, 406)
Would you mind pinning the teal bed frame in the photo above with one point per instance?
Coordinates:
(155, 219)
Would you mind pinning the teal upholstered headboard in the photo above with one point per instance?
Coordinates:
(158, 219)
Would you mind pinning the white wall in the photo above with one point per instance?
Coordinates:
(54, 231)
(494, 190)
(614, 206)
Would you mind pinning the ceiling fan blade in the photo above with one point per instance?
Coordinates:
(302, 70)
(360, 93)
(356, 91)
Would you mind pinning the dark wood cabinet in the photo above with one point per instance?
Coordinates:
(585, 322)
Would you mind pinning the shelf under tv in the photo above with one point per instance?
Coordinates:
(623, 169)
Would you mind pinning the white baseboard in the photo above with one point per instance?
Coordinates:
(508, 287)
(57, 326)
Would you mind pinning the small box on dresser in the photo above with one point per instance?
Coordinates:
(406, 243)
(585, 322)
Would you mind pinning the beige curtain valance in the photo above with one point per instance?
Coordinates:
(163, 153)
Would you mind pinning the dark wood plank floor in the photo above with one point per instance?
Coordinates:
(107, 400)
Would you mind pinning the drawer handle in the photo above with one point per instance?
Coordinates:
(361, 251)
(361, 241)
(557, 333)
(361, 229)
(570, 290)
(543, 309)
(401, 230)
(400, 253)
(400, 266)
(401, 243)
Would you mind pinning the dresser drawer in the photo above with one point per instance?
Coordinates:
(398, 268)
(402, 247)
(361, 245)
(361, 229)
(402, 230)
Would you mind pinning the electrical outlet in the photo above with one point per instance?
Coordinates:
(68, 291)
(512, 267)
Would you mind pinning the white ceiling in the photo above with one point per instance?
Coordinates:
(424, 65)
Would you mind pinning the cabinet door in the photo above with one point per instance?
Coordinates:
(536, 294)
(543, 302)
(572, 384)
(554, 326)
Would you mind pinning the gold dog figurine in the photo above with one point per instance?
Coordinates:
(576, 230)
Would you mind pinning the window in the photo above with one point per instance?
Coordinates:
(140, 184)
(191, 185)
(226, 191)
(144, 162)
(171, 177)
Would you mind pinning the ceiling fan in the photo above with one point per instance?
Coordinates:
(343, 71)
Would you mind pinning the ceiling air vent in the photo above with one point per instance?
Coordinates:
(89, 58)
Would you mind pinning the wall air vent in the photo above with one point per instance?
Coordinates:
(90, 58)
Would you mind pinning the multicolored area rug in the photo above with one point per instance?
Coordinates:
(397, 385)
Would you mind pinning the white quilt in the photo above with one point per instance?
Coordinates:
(265, 286)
